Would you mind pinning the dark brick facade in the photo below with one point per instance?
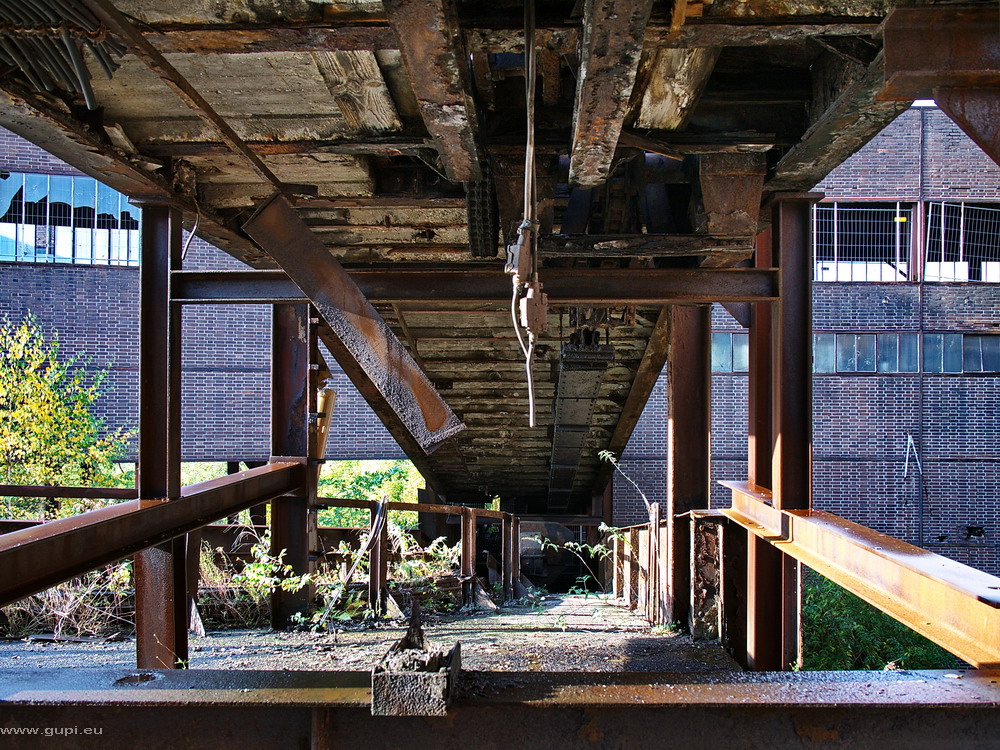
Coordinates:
(861, 421)
(226, 348)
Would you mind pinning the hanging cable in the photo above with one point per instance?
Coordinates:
(522, 256)
(190, 237)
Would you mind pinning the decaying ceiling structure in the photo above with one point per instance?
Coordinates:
(396, 134)
(469, 240)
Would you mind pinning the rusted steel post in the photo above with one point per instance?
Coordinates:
(760, 443)
(515, 558)
(689, 405)
(290, 397)
(160, 572)
(468, 553)
(507, 538)
(617, 547)
(733, 577)
(378, 563)
(791, 382)
(749, 581)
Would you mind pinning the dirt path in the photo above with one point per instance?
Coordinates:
(563, 633)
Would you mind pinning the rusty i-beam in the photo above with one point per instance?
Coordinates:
(160, 572)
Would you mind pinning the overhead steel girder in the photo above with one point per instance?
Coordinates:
(955, 606)
(565, 286)
(34, 559)
(953, 56)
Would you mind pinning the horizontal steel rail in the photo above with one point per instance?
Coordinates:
(954, 605)
(41, 490)
(36, 558)
(563, 285)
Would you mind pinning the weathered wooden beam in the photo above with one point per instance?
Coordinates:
(672, 81)
(610, 49)
(368, 352)
(238, 39)
(853, 117)
(640, 245)
(359, 90)
(374, 146)
(432, 50)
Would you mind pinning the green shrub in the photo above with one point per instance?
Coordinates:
(841, 631)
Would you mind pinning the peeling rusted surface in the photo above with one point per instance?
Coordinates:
(731, 187)
(610, 49)
(432, 50)
(952, 604)
(977, 112)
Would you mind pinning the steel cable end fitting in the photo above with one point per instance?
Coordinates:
(535, 309)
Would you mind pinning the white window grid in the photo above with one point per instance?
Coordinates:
(66, 219)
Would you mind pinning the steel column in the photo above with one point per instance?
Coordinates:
(378, 561)
(468, 553)
(507, 541)
(791, 382)
(290, 396)
(515, 560)
(160, 572)
(689, 425)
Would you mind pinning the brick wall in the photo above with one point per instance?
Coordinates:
(226, 348)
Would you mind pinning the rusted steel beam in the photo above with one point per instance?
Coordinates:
(361, 342)
(689, 429)
(35, 559)
(378, 563)
(121, 27)
(939, 47)
(955, 606)
(98, 493)
(436, 65)
(160, 572)
(290, 432)
(610, 48)
(447, 284)
(39, 120)
(731, 186)
(976, 111)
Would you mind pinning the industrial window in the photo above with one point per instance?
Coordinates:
(865, 352)
(861, 241)
(59, 219)
(962, 242)
(730, 352)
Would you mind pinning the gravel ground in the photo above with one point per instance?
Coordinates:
(563, 633)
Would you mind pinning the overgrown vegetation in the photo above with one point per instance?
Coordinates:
(841, 631)
(396, 481)
(49, 433)
(589, 556)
